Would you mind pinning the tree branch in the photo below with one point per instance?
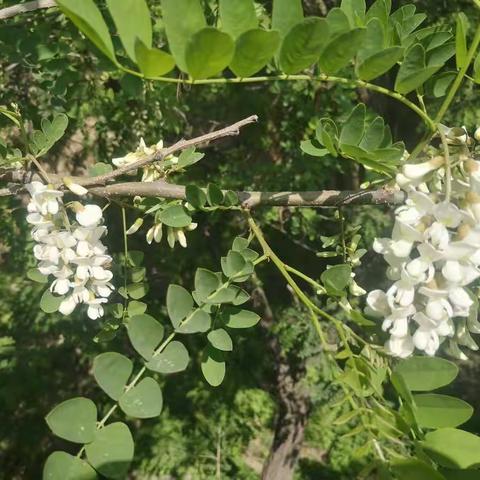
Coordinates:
(26, 7)
(229, 131)
(248, 199)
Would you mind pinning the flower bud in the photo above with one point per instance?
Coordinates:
(135, 226)
(74, 187)
(477, 134)
(419, 170)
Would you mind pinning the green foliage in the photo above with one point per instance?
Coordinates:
(144, 400)
(63, 466)
(74, 420)
(111, 451)
(368, 142)
(112, 371)
(422, 374)
(145, 334)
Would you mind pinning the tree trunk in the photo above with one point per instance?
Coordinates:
(293, 403)
(288, 438)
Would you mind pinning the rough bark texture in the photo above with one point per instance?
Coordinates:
(293, 403)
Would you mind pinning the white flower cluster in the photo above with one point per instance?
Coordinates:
(151, 172)
(73, 254)
(433, 256)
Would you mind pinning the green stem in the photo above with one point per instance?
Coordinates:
(448, 166)
(125, 264)
(352, 83)
(301, 275)
(460, 76)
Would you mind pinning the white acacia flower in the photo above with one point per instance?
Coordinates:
(74, 255)
(89, 215)
(95, 308)
(401, 347)
(419, 170)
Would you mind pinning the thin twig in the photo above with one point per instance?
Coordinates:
(231, 130)
(9, 12)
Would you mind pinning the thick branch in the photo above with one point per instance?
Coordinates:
(322, 198)
(248, 199)
(25, 7)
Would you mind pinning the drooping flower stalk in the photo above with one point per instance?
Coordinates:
(72, 254)
(433, 255)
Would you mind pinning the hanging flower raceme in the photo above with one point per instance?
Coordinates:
(433, 255)
(73, 255)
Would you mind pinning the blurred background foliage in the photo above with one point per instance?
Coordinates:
(47, 67)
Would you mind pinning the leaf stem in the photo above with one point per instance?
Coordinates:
(461, 74)
(448, 166)
(353, 83)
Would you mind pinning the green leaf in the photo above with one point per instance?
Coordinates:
(337, 278)
(355, 10)
(132, 19)
(74, 420)
(354, 127)
(208, 52)
(49, 303)
(220, 339)
(237, 16)
(338, 21)
(137, 290)
(112, 371)
(340, 51)
(87, 17)
(143, 400)
(195, 196)
(285, 14)
(175, 216)
(438, 411)
(253, 50)
(413, 469)
(461, 40)
(374, 40)
(233, 264)
(422, 374)
(63, 466)
(214, 195)
(476, 69)
(374, 135)
(35, 275)
(179, 304)
(460, 474)
(173, 359)
(182, 18)
(206, 282)
(188, 157)
(112, 450)
(413, 72)
(234, 317)
(310, 149)
(145, 333)
(152, 61)
(197, 322)
(213, 367)
(302, 45)
(379, 63)
(453, 448)
(51, 132)
(327, 134)
(138, 274)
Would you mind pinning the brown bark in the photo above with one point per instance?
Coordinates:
(293, 403)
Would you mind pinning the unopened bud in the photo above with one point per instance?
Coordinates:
(74, 187)
(477, 134)
(135, 226)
